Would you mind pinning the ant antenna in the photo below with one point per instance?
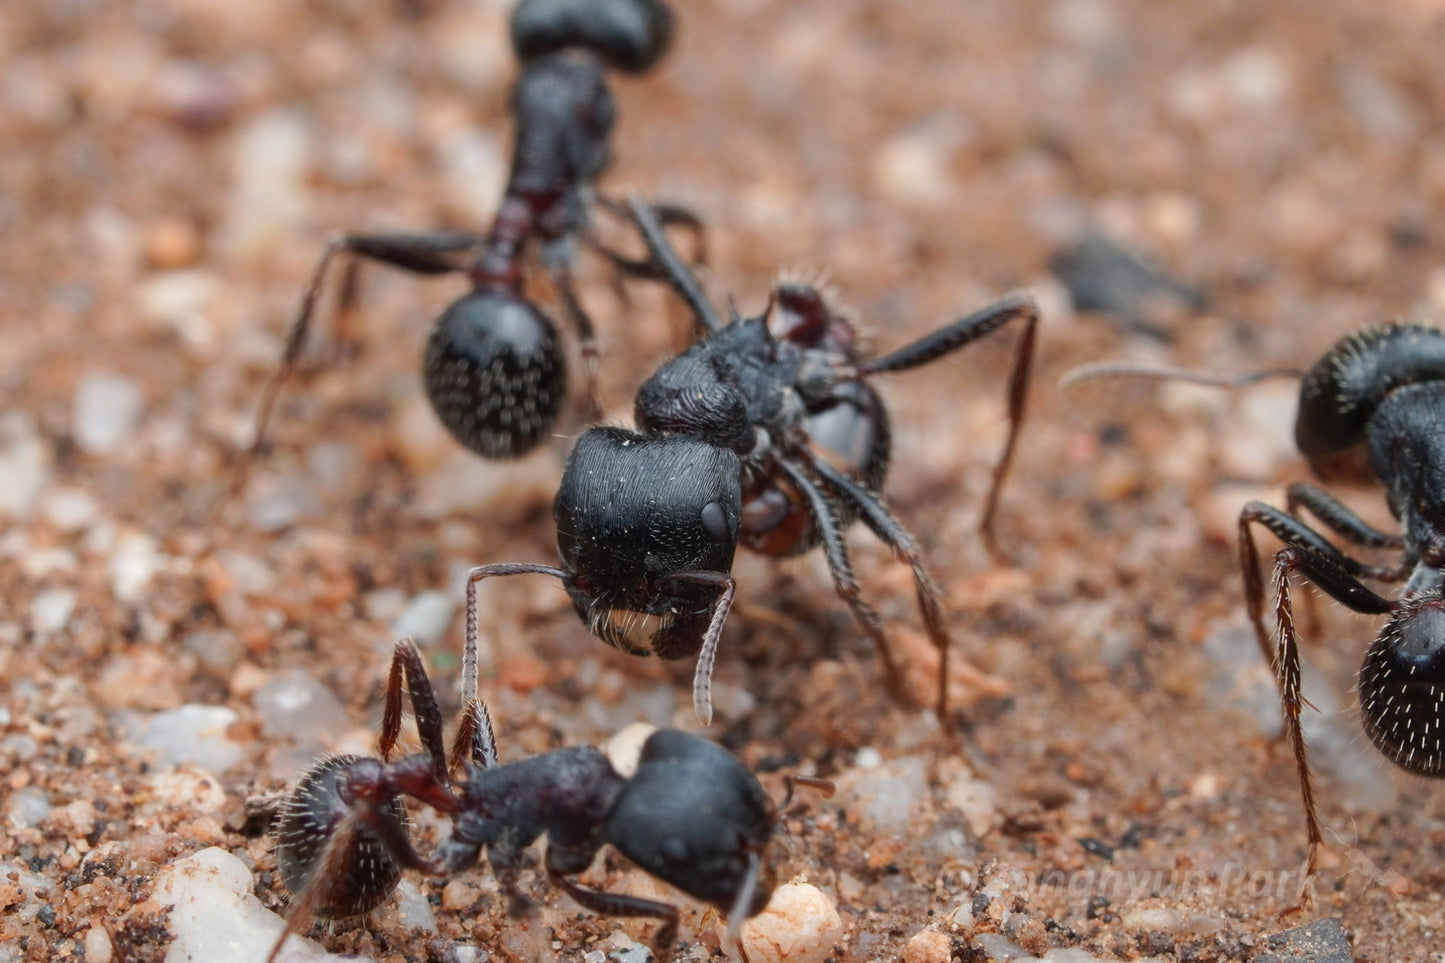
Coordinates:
(1157, 372)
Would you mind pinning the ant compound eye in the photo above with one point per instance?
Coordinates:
(675, 851)
(496, 373)
(366, 874)
(1402, 687)
(715, 522)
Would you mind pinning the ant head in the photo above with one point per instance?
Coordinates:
(631, 35)
(800, 313)
(633, 510)
(495, 372)
(1402, 686)
(694, 816)
(362, 872)
(1341, 393)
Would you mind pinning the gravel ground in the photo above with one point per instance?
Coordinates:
(170, 170)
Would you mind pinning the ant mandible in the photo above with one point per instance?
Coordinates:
(767, 432)
(689, 814)
(494, 368)
(1370, 407)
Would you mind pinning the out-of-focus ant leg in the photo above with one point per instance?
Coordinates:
(427, 254)
(955, 336)
(620, 904)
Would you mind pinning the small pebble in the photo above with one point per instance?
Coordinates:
(191, 734)
(912, 168)
(474, 170)
(181, 301)
(27, 807)
(24, 464)
(98, 947)
(413, 909)
(624, 749)
(105, 412)
(929, 946)
(188, 790)
(883, 798)
(425, 619)
(69, 509)
(194, 95)
(799, 925)
(171, 243)
(51, 609)
(214, 915)
(296, 704)
(1323, 941)
(269, 195)
(134, 561)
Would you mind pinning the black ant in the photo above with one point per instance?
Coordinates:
(494, 368)
(689, 814)
(1371, 407)
(767, 432)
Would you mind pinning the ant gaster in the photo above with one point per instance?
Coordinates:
(1372, 404)
(766, 432)
(494, 368)
(689, 814)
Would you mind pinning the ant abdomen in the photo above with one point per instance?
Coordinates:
(1341, 391)
(495, 372)
(629, 34)
(309, 821)
(1402, 687)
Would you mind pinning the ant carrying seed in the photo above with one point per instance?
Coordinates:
(687, 813)
(494, 367)
(767, 432)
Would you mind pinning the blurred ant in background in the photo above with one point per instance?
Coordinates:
(767, 432)
(686, 812)
(494, 368)
(1371, 409)
(1374, 408)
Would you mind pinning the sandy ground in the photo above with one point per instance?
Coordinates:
(169, 171)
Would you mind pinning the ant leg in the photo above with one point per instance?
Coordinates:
(474, 732)
(1296, 534)
(666, 215)
(845, 584)
(1339, 518)
(620, 904)
(475, 736)
(958, 334)
(406, 662)
(892, 533)
(586, 335)
(469, 650)
(434, 253)
(670, 267)
(682, 631)
(1342, 586)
